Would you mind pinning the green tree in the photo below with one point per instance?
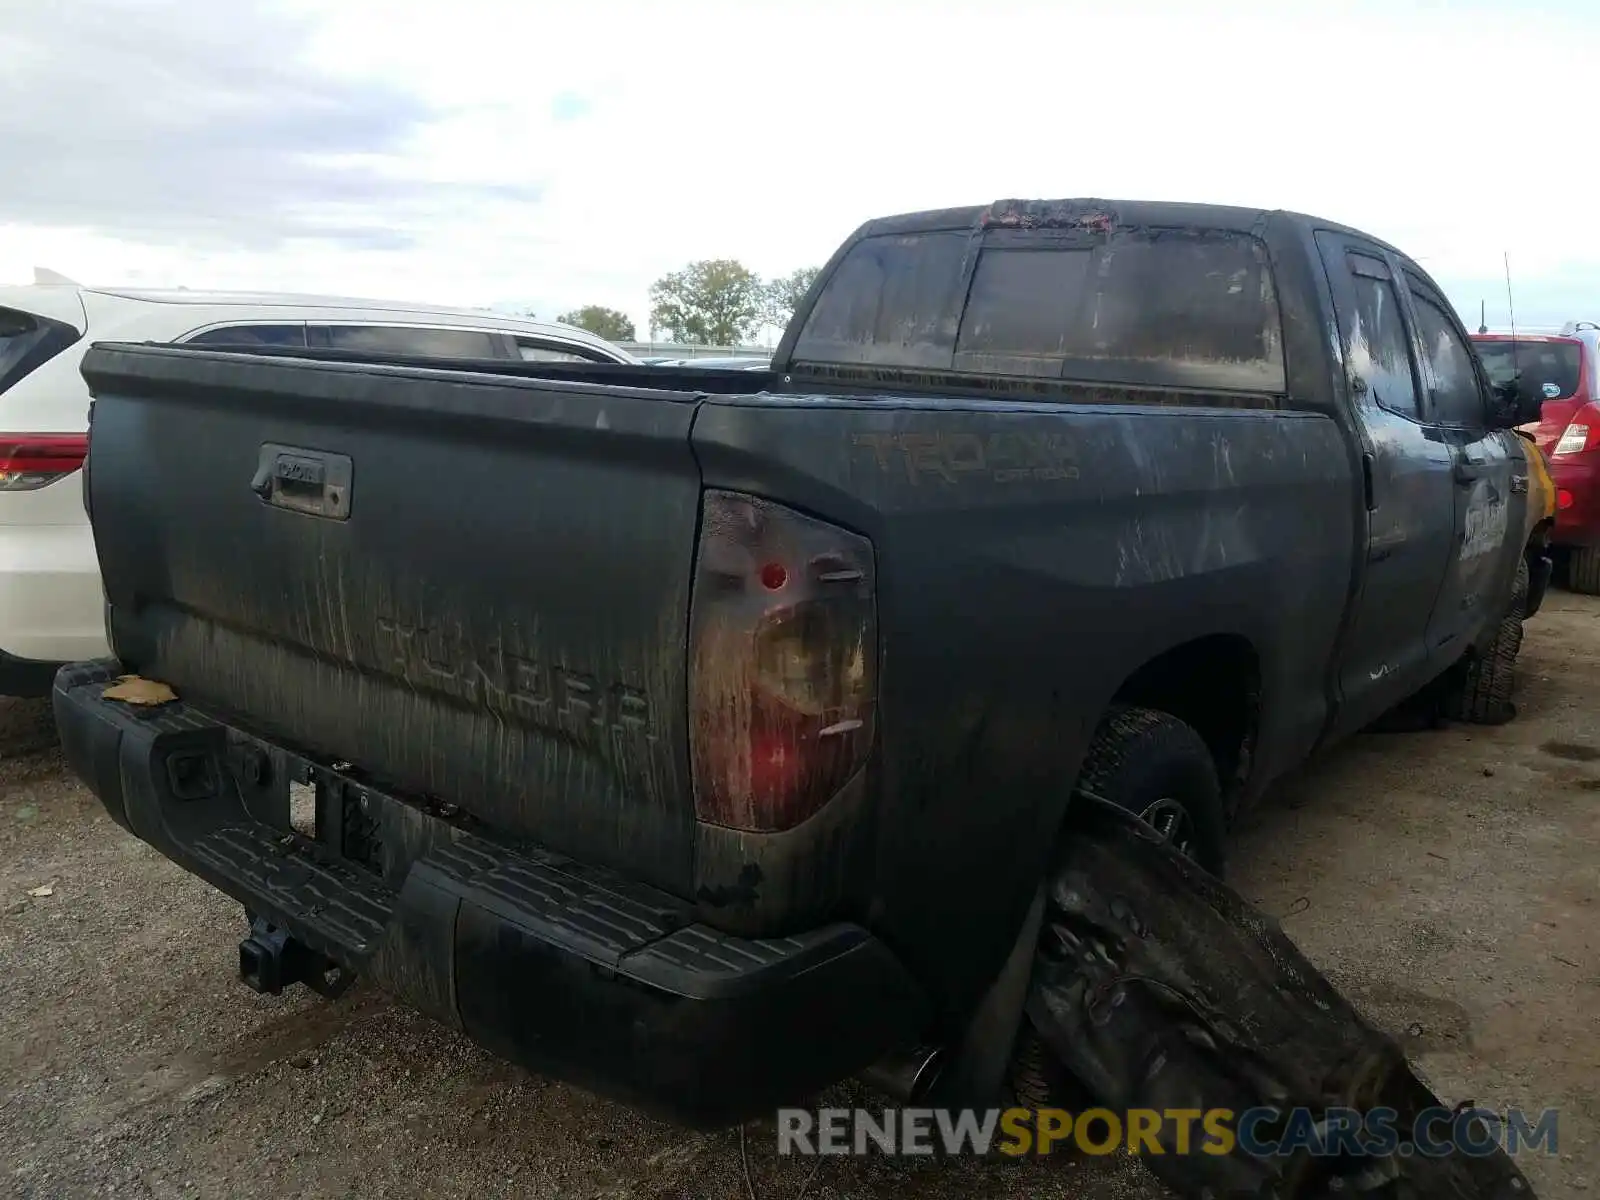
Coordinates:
(601, 321)
(783, 295)
(714, 302)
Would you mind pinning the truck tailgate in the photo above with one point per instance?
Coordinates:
(473, 587)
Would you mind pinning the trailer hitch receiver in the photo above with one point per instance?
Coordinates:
(270, 960)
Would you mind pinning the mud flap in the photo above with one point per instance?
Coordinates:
(1161, 988)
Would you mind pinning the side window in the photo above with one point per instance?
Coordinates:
(252, 335)
(532, 350)
(413, 341)
(1376, 343)
(1456, 398)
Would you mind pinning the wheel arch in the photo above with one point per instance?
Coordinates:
(1212, 683)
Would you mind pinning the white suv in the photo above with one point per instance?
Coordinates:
(51, 603)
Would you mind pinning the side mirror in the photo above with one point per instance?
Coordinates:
(1513, 403)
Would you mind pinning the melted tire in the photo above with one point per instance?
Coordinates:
(1138, 755)
(1480, 690)
(1156, 986)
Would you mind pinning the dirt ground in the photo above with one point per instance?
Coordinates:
(1447, 880)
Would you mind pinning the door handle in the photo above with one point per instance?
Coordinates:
(1468, 470)
(304, 481)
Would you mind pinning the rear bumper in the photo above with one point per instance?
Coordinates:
(560, 967)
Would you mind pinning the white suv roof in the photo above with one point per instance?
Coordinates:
(162, 314)
(51, 603)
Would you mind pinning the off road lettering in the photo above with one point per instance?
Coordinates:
(952, 457)
(566, 698)
(1485, 528)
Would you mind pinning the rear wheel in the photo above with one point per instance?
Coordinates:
(1479, 690)
(1157, 767)
(1583, 570)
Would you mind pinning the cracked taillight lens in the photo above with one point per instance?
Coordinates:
(783, 662)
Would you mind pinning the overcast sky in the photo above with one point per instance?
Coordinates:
(547, 154)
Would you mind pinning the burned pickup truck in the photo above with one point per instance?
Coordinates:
(708, 737)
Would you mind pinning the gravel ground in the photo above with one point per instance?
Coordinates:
(1446, 880)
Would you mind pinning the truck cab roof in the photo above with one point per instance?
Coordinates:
(1097, 214)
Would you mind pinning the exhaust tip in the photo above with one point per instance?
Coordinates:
(906, 1075)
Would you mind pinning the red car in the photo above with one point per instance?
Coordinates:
(1565, 368)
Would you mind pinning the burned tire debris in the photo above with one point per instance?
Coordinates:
(1158, 987)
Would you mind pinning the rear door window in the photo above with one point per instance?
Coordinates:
(416, 341)
(1377, 345)
(290, 336)
(1457, 399)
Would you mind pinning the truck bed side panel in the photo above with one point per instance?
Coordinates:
(499, 621)
(1031, 558)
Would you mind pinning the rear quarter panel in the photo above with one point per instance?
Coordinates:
(1030, 559)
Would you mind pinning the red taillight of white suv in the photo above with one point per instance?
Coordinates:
(782, 662)
(31, 460)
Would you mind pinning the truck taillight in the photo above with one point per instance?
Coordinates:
(783, 662)
(31, 460)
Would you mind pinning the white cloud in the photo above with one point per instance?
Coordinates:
(559, 154)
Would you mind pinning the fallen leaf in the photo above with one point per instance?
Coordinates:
(132, 689)
(27, 812)
(41, 892)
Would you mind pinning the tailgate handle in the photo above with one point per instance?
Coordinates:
(312, 482)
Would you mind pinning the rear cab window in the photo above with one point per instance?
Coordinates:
(1189, 308)
(28, 341)
(893, 302)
